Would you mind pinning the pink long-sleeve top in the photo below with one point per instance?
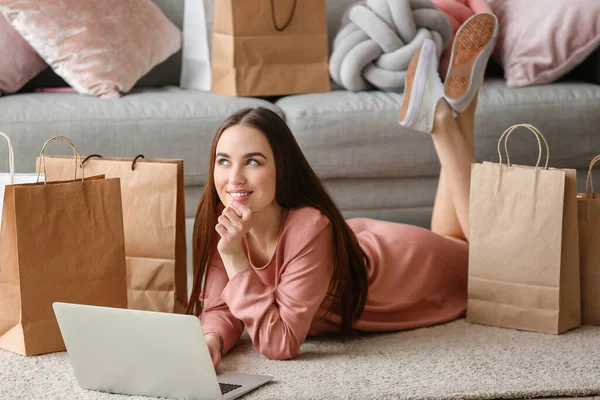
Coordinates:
(416, 278)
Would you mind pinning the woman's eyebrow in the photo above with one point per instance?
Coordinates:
(255, 154)
(248, 155)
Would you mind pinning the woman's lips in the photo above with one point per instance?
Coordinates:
(240, 199)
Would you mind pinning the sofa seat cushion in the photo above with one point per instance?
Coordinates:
(159, 123)
(356, 134)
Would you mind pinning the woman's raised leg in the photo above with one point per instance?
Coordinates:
(451, 208)
(444, 218)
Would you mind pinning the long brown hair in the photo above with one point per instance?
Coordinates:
(296, 185)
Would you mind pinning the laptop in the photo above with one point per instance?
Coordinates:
(146, 353)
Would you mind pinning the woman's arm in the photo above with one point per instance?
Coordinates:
(216, 317)
(279, 320)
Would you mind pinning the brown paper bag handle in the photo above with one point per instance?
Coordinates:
(42, 161)
(90, 156)
(289, 19)
(537, 134)
(99, 156)
(11, 158)
(589, 183)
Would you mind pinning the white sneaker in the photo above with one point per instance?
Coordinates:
(422, 90)
(471, 50)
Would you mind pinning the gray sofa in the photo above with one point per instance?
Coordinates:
(372, 166)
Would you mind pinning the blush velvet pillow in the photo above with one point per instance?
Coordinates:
(99, 47)
(18, 61)
(541, 40)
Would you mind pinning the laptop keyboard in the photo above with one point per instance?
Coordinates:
(228, 387)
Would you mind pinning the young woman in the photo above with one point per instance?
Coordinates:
(274, 254)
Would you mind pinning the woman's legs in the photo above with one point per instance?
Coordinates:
(453, 140)
(471, 49)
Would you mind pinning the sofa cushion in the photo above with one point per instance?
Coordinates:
(356, 135)
(166, 73)
(84, 44)
(159, 123)
(541, 40)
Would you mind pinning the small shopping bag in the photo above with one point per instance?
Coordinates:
(269, 47)
(60, 241)
(588, 207)
(524, 248)
(154, 224)
(11, 177)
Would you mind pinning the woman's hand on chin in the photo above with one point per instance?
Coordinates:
(233, 224)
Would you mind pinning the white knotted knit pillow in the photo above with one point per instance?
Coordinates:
(378, 38)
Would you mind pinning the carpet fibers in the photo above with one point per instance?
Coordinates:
(454, 360)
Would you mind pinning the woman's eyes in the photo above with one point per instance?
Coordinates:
(225, 162)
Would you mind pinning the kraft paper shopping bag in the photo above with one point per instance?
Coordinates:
(588, 207)
(524, 248)
(269, 47)
(154, 223)
(60, 241)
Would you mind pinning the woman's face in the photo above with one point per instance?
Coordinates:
(244, 168)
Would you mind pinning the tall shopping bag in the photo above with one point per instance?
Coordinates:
(588, 207)
(60, 241)
(523, 244)
(154, 223)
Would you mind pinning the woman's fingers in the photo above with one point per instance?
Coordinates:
(231, 224)
(221, 230)
(227, 223)
(216, 358)
(232, 216)
(214, 354)
(242, 210)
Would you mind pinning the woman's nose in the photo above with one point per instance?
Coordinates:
(236, 176)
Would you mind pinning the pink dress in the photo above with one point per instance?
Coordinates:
(416, 278)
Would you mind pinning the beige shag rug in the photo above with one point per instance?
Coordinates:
(454, 360)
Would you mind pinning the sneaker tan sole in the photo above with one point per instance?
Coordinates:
(468, 44)
(410, 77)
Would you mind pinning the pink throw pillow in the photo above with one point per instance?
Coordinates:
(541, 40)
(18, 61)
(457, 12)
(99, 47)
